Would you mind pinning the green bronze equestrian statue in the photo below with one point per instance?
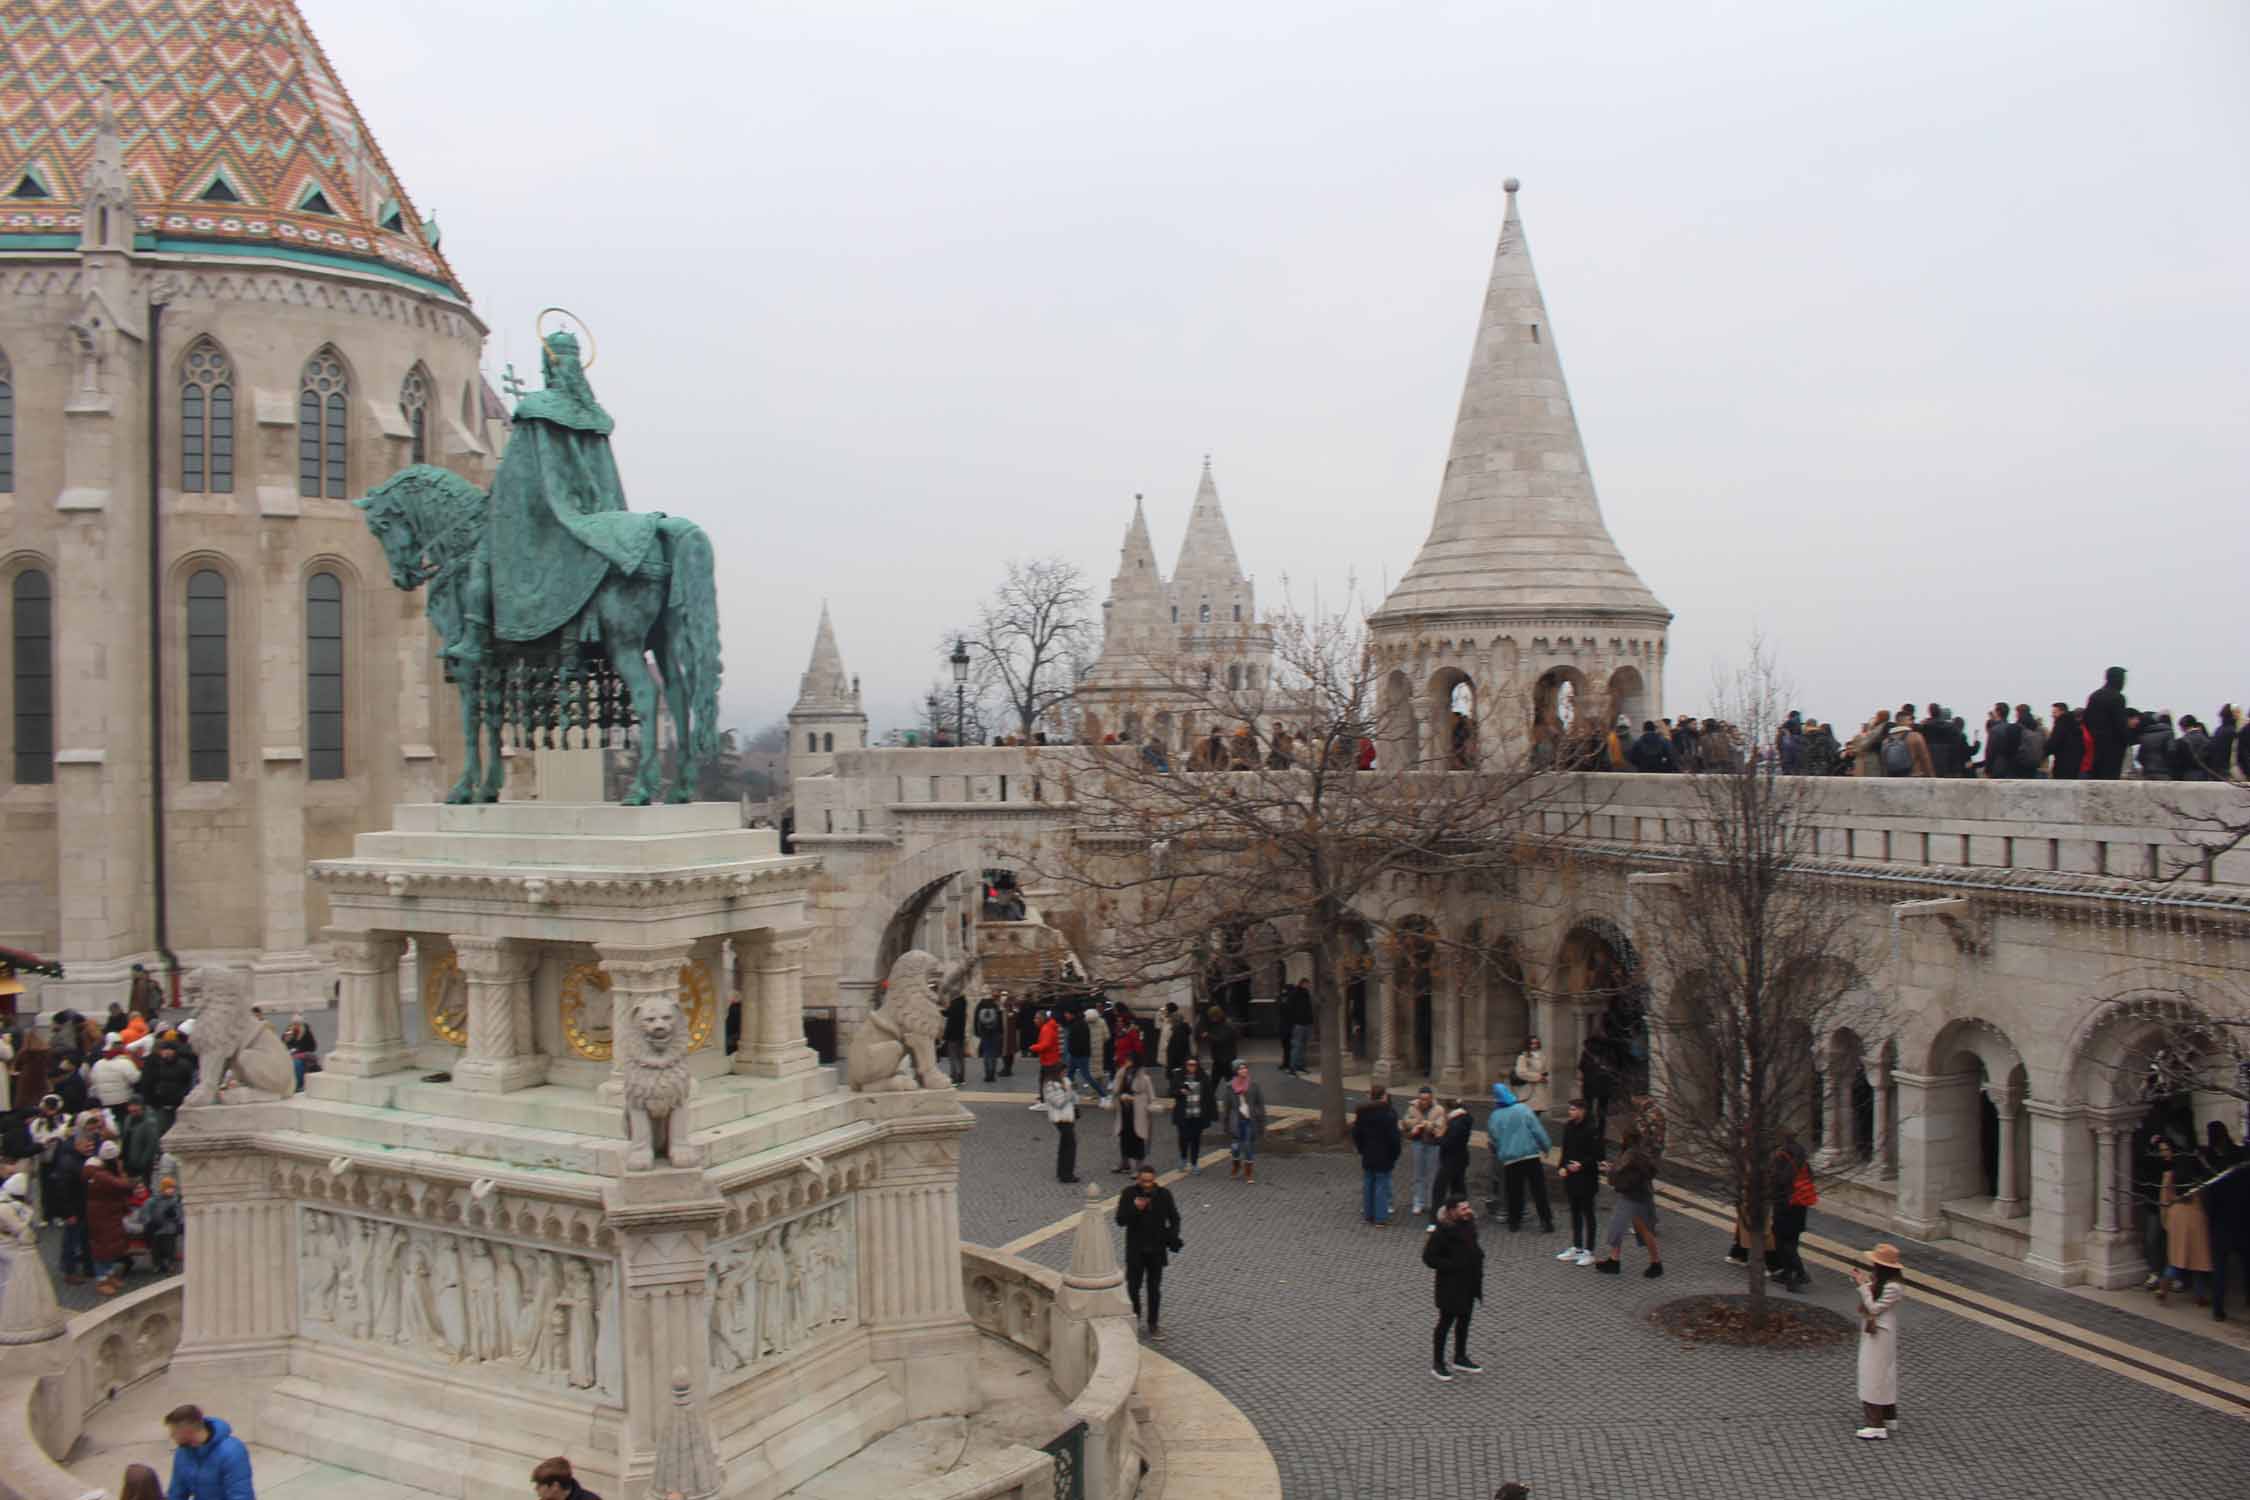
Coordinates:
(550, 596)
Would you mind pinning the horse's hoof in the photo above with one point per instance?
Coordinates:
(635, 799)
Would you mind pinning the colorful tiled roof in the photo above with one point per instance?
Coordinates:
(235, 128)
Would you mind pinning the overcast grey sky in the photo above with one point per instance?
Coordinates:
(1916, 335)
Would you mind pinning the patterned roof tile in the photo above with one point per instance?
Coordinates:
(200, 84)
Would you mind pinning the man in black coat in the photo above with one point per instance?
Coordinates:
(956, 1037)
(1652, 751)
(2066, 743)
(1375, 1136)
(1582, 1150)
(1453, 1153)
(2107, 723)
(1450, 1248)
(1152, 1234)
(2226, 1203)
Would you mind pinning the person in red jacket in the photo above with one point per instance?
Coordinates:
(109, 1193)
(1049, 1048)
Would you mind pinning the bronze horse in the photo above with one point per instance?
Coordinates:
(431, 524)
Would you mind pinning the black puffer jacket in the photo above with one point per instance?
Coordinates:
(166, 1080)
(1452, 1251)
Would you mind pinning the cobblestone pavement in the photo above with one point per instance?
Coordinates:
(1318, 1327)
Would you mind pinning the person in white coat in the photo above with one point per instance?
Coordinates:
(1881, 1290)
(1529, 1076)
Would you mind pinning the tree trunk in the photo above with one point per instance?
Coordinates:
(1332, 1044)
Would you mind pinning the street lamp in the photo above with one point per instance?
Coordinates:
(960, 661)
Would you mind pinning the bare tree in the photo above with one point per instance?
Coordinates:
(773, 739)
(1764, 960)
(966, 718)
(1032, 639)
(1267, 821)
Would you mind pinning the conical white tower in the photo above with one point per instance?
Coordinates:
(1519, 596)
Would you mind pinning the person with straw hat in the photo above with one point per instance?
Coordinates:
(1880, 1292)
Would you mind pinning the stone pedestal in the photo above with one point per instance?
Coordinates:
(438, 1253)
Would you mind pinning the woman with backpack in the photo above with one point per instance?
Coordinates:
(1793, 1194)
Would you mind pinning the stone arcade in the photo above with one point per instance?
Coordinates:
(440, 1264)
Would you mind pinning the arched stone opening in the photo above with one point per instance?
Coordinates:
(1695, 1075)
(1559, 727)
(1498, 1007)
(1451, 696)
(2150, 1066)
(1627, 697)
(1398, 734)
(1599, 972)
(1414, 977)
(1977, 1148)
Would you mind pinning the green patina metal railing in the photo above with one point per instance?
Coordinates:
(1069, 1453)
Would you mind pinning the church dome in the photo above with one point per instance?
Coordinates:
(238, 137)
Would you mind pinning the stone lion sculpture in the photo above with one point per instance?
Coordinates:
(895, 1048)
(657, 1086)
(242, 1058)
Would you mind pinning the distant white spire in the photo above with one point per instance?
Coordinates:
(825, 685)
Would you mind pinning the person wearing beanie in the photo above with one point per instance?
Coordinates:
(109, 1194)
(115, 1079)
(164, 1220)
(141, 1141)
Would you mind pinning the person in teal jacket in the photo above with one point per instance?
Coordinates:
(209, 1462)
(1519, 1148)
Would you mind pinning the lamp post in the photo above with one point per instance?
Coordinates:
(960, 660)
(937, 725)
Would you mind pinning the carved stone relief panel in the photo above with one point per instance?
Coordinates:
(439, 1296)
(781, 1289)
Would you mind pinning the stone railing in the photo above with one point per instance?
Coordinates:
(1013, 1299)
(49, 1391)
(2062, 834)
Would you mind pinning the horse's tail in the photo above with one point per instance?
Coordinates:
(694, 607)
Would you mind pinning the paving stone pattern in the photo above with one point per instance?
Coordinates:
(1318, 1327)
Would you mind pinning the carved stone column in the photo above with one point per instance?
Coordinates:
(369, 1038)
(1835, 1117)
(910, 1259)
(1383, 985)
(2105, 1179)
(1886, 1122)
(2007, 1197)
(637, 972)
(241, 1302)
(663, 1221)
(1452, 993)
(772, 961)
(499, 1058)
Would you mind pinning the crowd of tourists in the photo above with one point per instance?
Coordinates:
(2192, 1196)
(89, 1105)
(2107, 739)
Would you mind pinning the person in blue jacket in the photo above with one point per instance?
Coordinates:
(209, 1462)
(1519, 1149)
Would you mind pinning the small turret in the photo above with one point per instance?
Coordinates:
(828, 716)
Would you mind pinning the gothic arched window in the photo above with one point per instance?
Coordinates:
(812, 744)
(7, 427)
(32, 632)
(324, 677)
(323, 402)
(414, 405)
(207, 675)
(206, 420)
(827, 743)
(1203, 615)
